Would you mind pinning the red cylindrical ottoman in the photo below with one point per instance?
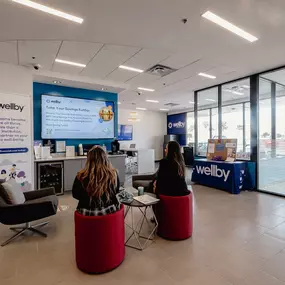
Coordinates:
(99, 241)
(175, 217)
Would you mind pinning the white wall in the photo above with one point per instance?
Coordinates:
(149, 132)
(16, 80)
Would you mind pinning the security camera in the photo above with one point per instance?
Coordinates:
(36, 66)
(184, 21)
(139, 93)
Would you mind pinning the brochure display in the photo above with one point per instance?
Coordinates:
(222, 149)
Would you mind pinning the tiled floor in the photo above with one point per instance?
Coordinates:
(237, 240)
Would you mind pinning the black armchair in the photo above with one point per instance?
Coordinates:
(143, 180)
(39, 204)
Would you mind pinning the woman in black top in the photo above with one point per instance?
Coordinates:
(170, 179)
(96, 185)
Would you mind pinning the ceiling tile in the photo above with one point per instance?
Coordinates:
(43, 51)
(66, 68)
(108, 59)
(79, 51)
(121, 75)
(8, 52)
(182, 74)
(142, 80)
(146, 58)
(178, 61)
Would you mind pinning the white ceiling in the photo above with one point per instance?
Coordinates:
(141, 34)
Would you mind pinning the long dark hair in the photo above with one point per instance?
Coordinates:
(174, 154)
(102, 177)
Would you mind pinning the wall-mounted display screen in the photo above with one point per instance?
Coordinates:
(125, 132)
(74, 118)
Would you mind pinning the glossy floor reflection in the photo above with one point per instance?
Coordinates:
(237, 240)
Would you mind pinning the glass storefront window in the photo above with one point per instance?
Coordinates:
(236, 115)
(232, 124)
(215, 123)
(190, 128)
(203, 131)
(207, 118)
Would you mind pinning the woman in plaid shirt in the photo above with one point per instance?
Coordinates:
(96, 185)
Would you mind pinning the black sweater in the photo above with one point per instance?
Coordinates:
(79, 193)
(168, 181)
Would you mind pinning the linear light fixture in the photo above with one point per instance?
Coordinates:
(131, 68)
(134, 120)
(164, 109)
(211, 100)
(49, 10)
(246, 86)
(70, 62)
(152, 101)
(139, 108)
(229, 26)
(237, 93)
(207, 75)
(146, 89)
(233, 92)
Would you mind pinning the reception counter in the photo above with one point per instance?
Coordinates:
(59, 172)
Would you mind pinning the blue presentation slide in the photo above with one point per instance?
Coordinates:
(73, 118)
(125, 132)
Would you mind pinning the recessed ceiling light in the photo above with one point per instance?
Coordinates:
(119, 103)
(146, 89)
(133, 120)
(229, 26)
(49, 10)
(246, 86)
(131, 68)
(70, 62)
(164, 109)
(191, 102)
(56, 82)
(139, 108)
(211, 100)
(237, 93)
(152, 101)
(207, 75)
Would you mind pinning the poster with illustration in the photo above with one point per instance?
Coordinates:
(16, 140)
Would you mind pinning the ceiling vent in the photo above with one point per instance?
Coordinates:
(171, 104)
(160, 70)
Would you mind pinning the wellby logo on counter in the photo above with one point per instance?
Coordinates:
(12, 106)
(178, 125)
(213, 171)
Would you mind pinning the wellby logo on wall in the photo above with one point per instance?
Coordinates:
(213, 171)
(178, 125)
(12, 106)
